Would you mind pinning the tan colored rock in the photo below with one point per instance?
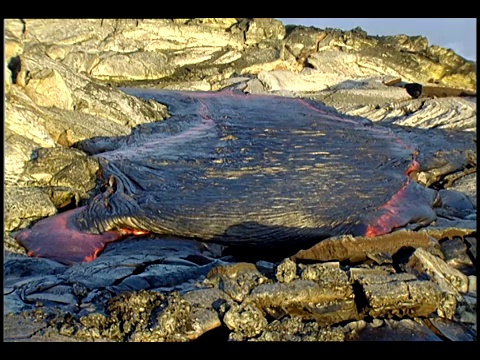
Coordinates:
(333, 67)
(303, 41)
(236, 280)
(458, 81)
(449, 232)
(64, 167)
(15, 27)
(180, 37)
(70, 108)
(134, 66)
(35, 204)
(450, 279)
(228, 57)
(189, 86)
(294, 328)
(206, 297)
(24, 131)
(203, 37)
(59, 31)
(378, 275)
(12, 48)
(96, 99)
(279, 80)
(82, 62)
(328, 303)
(56, 52)
(202, 321)
(356, 249)
(192, 56)
(400, 56)
(48, 88)
(324, 273)
(18, 151)
(286, 271)
(400, 295)
(246, 319)
(261, 28)
(223, 23)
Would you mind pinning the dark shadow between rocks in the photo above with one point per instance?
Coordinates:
(278, 242)
(15, 65)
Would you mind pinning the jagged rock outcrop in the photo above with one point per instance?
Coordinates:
(125, 51)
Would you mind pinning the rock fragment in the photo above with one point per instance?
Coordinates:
(450, 279)
(356, 249)
(328, 302)
(401, 295)
(286, 271)
(456, 255)
(47, 88)
(246, 320)
(296, 329)
(236, 280)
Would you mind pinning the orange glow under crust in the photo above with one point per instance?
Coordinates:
(55, 238)
(123, 233)
(393, 217)
(414, 167)
(58, 239)
(133, 232)
(92, 257)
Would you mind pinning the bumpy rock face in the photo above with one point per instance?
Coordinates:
(59, 78)
(409, 57)
(122, 51)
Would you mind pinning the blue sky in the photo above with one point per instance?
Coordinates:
(458, 34)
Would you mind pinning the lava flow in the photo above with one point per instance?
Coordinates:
(240, 169)
(70, 245)
(409, 204)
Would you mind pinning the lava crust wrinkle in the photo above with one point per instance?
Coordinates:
(247, 170)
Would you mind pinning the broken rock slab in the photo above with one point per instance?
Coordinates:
(450, 279)
(357, 249)
(399, 295)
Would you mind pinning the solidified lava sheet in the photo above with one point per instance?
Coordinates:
(252, 170)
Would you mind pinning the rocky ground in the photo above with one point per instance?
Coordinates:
(62, 86)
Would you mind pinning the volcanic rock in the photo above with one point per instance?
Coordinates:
(62, 105)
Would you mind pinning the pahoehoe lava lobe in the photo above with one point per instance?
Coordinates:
(243, 170)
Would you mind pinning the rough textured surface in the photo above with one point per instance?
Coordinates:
(60, 78)
(210, 54)
(322, 302)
